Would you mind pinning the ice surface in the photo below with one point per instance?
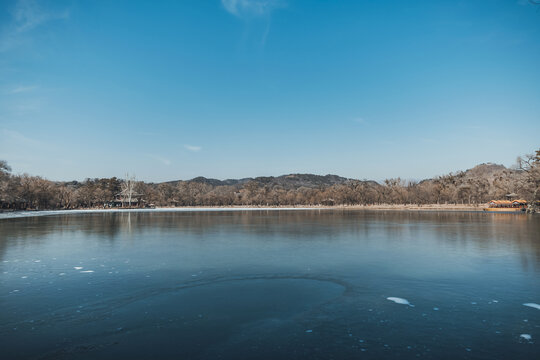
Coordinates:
(533, 305)
(526, 337)
(309, 331)
(399, 301)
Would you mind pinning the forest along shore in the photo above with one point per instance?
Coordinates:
(474, 187)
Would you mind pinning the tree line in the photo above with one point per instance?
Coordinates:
(474, 186)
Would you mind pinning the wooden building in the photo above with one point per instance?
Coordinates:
(122, 199)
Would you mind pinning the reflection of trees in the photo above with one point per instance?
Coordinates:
(460, 229)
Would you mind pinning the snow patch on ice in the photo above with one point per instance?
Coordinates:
(400, 301)
(533, 305)
(87, 271)
(309, 331)
(77, 267)
(526, 337)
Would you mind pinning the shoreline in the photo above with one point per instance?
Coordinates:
(382, 207)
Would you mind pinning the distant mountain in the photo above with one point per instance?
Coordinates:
(295, 181)
(487, 170)
(216, 182)
(291, 181)
(208, 181)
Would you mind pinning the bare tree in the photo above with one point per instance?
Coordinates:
(128, 189)
(529, 165)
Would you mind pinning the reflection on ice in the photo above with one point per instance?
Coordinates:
(184, 284)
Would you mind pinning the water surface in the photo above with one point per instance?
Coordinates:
(270, 284)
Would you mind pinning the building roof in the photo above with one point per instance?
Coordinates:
(521, 201)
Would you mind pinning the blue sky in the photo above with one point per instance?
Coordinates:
(235, 88)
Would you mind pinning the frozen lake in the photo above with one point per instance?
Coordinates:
(289, 284)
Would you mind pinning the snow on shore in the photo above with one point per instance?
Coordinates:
(20, 214)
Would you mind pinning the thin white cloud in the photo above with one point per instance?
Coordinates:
(360, 120)
(26, 16)
(22, 89)
(25, 105)
(15, 137)
(192, 148)
(473, 127)
(251, 8)
(160, 159)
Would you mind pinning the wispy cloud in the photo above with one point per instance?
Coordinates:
(160, 159)
(22, 89)
(24, 106)
(248, 10)
(27, 15)
(251, 8)
(473, 127)
(192, 148)
(360, 120)
(15, 137)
